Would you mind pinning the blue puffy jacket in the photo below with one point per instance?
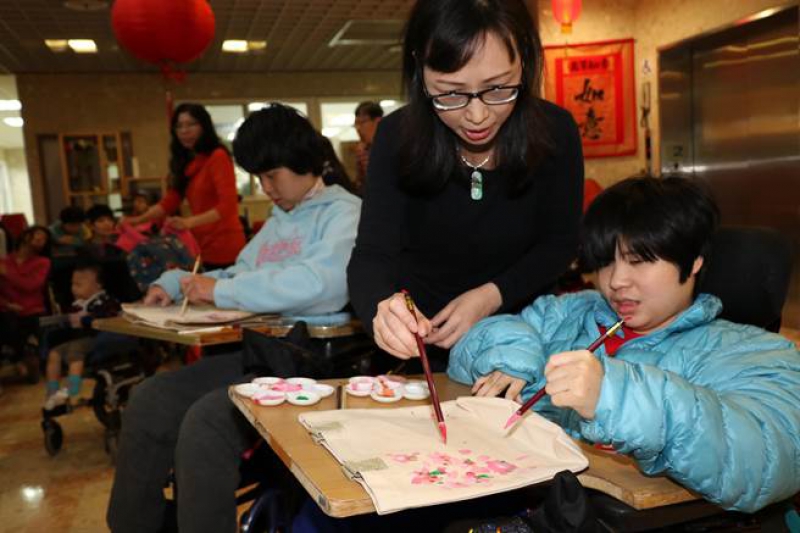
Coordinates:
(712, 404)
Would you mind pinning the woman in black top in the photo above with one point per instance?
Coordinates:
(474, 194)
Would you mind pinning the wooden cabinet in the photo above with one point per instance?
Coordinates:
(95, 167)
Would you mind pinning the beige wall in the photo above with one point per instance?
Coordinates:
(653, 24)
(77, 103)
(14, 160)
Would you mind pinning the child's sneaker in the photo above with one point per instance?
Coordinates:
(59, 397)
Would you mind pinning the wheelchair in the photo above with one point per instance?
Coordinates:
(113, 376)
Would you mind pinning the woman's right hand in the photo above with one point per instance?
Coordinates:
(157, 296)
(394, 327)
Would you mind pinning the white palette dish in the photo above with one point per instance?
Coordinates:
(416, 390)
(248, 390)
(397, 395)
(322, 389)
(269, 398)
(359, 388)
(303, 398)
(306, 383)
(268, 381)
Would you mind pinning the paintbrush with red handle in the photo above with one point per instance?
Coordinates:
(541, 392)
(423, 355)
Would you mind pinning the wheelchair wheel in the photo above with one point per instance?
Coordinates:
(53, 436)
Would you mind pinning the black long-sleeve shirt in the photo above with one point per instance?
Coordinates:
(442, 245)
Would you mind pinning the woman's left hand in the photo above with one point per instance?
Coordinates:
(461, 313)
(198, 289)
(180, 223)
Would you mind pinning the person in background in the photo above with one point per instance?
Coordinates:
(712, 404)
(91, 302)
(102, 224)
(368, 116)
(140, 203)
(294, 265)
(202, 172)
(23, 279)
(475, 187)
(69, 233)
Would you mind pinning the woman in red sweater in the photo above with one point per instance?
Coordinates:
(202, 173)
(23, 275)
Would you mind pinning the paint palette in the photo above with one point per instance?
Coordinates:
(387, 391)
(360, 385)
(274, 391)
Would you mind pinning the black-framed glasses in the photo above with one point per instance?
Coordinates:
(497, 95)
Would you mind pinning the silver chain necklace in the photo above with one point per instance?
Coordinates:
(476, 178)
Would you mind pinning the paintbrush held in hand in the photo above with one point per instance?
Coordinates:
(423, 355)
(186, 296)
(538, 396)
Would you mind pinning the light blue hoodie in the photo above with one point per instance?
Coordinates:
(295, 265)
(712, 404)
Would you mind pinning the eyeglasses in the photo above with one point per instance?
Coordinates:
(498, 95)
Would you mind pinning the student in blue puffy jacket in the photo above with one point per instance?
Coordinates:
(712, 404)
(295, 265)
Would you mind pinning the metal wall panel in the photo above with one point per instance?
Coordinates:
(739, 89)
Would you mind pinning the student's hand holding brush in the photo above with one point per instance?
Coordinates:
(198, 289)
(574, 380)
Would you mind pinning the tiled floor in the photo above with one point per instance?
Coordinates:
(67, 493)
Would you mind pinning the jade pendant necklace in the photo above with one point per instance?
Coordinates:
(476, 178)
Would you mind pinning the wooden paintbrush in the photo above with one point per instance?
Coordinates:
(538, 396)
(186, 296)
(423, 355)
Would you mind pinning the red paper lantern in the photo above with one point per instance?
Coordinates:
(566, 12)
(163, 31)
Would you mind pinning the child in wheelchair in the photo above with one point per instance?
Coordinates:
(77, 339)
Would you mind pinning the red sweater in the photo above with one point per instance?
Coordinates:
(212, 185)
(23, 284)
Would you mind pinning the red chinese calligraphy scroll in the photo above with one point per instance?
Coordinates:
(594, 82)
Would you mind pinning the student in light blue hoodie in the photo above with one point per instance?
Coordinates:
(295, 265)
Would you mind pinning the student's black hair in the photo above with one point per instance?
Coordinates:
(27, 235)
(181, 156)
(371, 109)
(278, 136)
(672, 219)
(98, 211)
(88, 263)
(444, 35)
(72, 215)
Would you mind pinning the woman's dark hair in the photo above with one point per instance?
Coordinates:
(333, 171)
(181, 156)
(278, 136)
(672, 219)
(444, 35)
(26, 236)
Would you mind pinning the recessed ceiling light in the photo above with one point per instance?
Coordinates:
(240, 46)
(57, 45)
(236, 46)
(14, 122)
(82, 46)
(10, 105)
